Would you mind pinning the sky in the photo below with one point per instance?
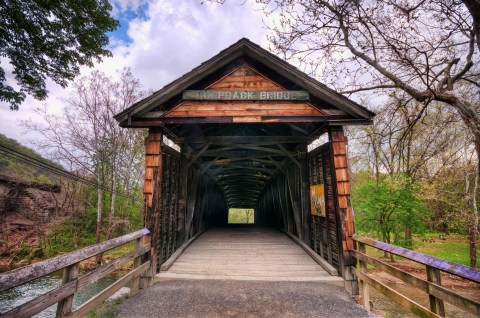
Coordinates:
(160, 40)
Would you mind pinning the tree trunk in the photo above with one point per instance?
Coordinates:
(99, 217)
(408, 237)
(473, 224)
(112, 206)
(472, 121)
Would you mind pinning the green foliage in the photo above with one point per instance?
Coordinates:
(241, 216)
(23, 171)
(50, 39)
(387, 207)
(78, 230)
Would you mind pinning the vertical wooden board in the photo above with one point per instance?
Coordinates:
(342, 202)
(149, 171)
(343, 188)
(339, 148)
(149, 200)
(341, 174)
(337, 135)
(152, 160)
(340, 161)
(152, 147)
(154, 136)
(148, 187)
(245, 77)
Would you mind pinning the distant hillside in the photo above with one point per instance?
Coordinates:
(22, 170)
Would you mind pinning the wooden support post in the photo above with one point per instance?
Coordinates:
(152, 190)
(436, 304)
(345, 215)
(64, 306)
(146, 279)
(364, 287)
(191, 202)
(294, 197)
(182, 201)
(135, 285)
(305, 196)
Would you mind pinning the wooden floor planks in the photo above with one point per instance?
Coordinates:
(247, 253)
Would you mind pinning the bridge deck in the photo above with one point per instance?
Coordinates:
(247, 253)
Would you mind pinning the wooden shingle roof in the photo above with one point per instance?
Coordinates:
(246, 48)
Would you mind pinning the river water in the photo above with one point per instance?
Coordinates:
(21, 294)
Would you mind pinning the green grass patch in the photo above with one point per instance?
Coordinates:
(241, 216)
(455, 248)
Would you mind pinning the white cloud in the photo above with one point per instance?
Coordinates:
(169, 40)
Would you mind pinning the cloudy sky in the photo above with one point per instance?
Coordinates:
(159, 40)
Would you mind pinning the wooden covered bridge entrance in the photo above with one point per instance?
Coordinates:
(243, 121)
(234, 133)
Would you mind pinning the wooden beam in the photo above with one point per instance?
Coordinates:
(245, 139)
(289, 155)
(198, 154)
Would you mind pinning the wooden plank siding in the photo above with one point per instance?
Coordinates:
(324, 230)
(248, 79)
(245, 78)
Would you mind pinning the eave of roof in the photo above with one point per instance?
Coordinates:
(246, 47)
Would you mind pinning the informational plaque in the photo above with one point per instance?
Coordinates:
(245, 95)
(317, 200)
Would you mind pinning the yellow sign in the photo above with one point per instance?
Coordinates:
(317, 200)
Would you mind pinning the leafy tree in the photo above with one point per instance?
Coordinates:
(386, 206)
(50, 39)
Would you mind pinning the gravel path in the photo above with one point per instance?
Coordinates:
(226, 298)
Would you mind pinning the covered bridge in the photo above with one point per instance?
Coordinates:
(243, 121)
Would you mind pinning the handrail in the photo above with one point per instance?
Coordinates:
(71, 283)
(25, 274)
(443, 265)
(432, 286)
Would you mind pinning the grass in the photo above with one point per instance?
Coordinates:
(106, 310)
(454, 248)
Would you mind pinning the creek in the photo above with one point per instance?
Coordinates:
(14, 297)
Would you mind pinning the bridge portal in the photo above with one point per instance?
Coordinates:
(233, 133)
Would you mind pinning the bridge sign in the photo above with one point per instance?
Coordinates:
(244, 95)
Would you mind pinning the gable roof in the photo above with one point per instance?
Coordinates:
(252, 50)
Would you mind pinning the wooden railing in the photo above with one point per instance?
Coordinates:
(432, 286)
(72, 282)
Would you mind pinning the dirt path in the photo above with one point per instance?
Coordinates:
(224, 298)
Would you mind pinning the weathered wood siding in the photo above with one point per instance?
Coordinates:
(248, 79)
(169, 220)
(324, 230)
(245, 78)
(339, 148)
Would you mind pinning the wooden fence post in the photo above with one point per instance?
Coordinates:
(65, 305)
(364, 287)
(136, 262)
(146, 279)
(436, 304)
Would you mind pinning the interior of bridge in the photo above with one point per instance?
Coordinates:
(241, 161)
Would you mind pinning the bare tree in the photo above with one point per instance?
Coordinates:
(87, 138)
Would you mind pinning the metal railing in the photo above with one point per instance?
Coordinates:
(72, 282)
(432, 286)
